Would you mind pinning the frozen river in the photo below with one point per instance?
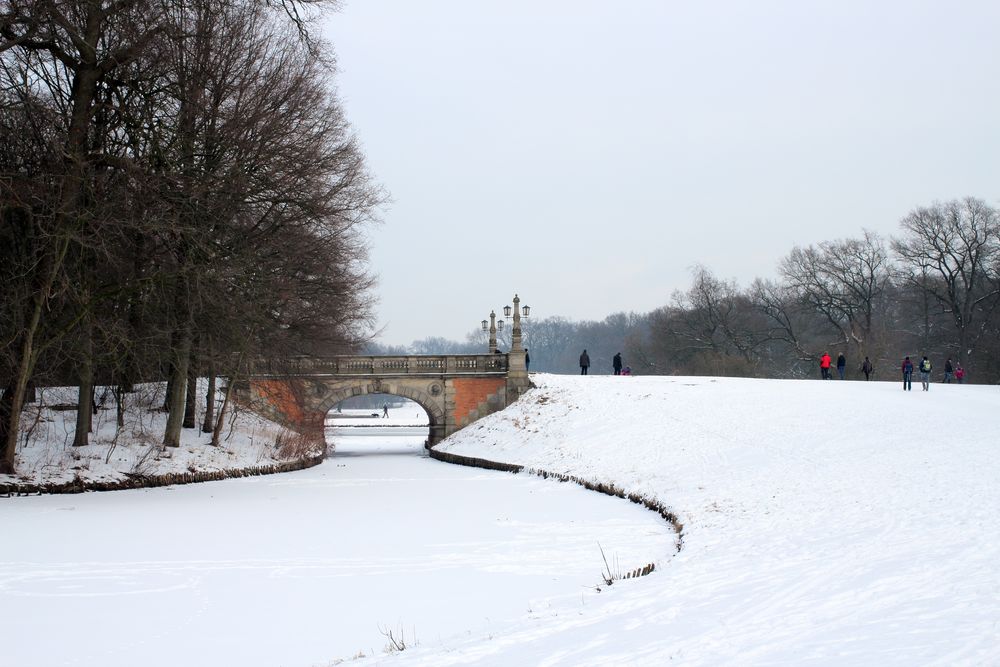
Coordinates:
(304, 568)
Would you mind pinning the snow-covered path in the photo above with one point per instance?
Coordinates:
(303, 568)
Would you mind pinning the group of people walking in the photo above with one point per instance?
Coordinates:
(616, 364)
(955, 371)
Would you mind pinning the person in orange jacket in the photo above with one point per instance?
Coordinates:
(824, 367)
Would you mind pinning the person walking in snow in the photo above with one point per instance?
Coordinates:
(959, 373)
(584, 362)
(867, 368)
(907, 374)
(527, 360)
(385, 410)
(948, 372)
(925, 373)
(841, 365)
(616, 363)
(824, 366)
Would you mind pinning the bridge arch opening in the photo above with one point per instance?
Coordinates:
(370, 422)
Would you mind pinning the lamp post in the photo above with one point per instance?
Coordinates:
(494, 325)
(515, 339)
(517, 367)
(493, 331)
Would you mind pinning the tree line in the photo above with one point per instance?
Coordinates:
(934, 289)
(180, 193)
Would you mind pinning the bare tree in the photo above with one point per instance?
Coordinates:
(844, 281)
(89, 40)
(950, 254)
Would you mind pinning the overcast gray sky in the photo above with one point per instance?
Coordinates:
(587, 154)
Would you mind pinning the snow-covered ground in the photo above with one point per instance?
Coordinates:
(304, 569)
(825, 523)
(46, 454)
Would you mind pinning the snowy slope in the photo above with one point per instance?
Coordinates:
(46, 454)
(825, 523)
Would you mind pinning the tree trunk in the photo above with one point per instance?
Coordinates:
(85, 398)
(191, 399)
(81, 435)
(178, 386)
(170, 389)
(209, 422)
(11, 415)
(217, 431)
(230, 383)
(120, 392)
(6, 403)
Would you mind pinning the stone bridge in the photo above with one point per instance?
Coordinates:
(454, 390)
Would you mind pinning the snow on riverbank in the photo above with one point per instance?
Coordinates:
(825, 523)
(46, 454)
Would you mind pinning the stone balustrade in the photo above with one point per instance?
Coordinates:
(387, 366)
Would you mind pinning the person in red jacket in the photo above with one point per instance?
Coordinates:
(824, 366)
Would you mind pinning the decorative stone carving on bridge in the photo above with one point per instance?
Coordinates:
(454, 390)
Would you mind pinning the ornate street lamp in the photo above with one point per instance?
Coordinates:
(492, 331)
(496, 325)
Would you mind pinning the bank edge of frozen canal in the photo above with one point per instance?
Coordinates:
(601, 487)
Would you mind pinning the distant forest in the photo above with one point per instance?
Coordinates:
(932, 290)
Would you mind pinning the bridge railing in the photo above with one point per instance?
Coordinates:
(388, 365)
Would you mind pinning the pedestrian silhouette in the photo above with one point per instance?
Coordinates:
(824, 366)
(907, 374)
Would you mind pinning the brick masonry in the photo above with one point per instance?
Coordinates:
(471, 393)
(281, 395)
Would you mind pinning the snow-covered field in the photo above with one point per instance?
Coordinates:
(825, 523)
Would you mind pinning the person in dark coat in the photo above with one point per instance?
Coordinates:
(616, 363)
(584, 362)
(907, 374)
(948, 372)
(841, 365)
(527, 359)
(867, 368)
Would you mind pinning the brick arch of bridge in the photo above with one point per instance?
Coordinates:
(433, 406)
